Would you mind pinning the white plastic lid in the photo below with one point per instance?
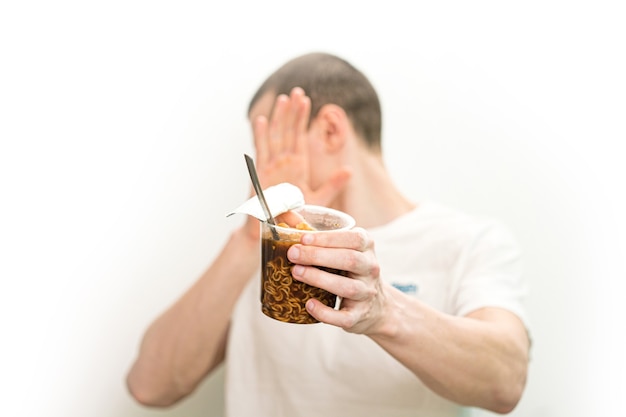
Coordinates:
(280, 199)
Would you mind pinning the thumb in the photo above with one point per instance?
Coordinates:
(326, 193)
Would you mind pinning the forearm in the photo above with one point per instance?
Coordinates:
(187, 341)
(479, 360)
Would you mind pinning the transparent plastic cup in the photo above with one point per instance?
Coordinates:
(282, 297)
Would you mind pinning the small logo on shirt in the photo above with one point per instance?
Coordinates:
(410, 289)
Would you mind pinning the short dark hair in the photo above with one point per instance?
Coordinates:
(328, 79)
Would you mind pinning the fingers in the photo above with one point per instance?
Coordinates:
(350, 251)
(291, 218)
(301, 122)
(287, 127)
(277, 125)
(261, 139)
(363, 299)
(348, 288)
(295, 122)
(344, 318)
(356, 239)
(358, 264)
(358, 298)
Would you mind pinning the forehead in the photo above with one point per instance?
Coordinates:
(263, 106)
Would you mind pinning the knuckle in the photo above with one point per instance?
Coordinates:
(348, 322)
(351, 261)
(374, 269)
(362, 239)
(350, 290)
(372, 292)
(345, 287)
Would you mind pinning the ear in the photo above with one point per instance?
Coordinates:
(334, 127)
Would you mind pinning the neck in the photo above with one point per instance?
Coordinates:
(371, 197)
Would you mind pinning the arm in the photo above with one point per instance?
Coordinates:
(478, 360)
(188, 340)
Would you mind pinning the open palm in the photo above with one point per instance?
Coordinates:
(282, 149)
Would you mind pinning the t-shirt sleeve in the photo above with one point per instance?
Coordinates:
(490, 273)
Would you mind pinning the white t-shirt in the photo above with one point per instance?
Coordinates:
(449, 260)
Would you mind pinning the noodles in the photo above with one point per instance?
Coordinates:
(283, 298)
(299, 226)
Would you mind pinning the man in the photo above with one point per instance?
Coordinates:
(431, 318)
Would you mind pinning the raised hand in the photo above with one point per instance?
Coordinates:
(282, 149)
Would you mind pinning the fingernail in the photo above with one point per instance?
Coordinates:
(293, 253)
(297, 270)
(307, 239)
(310, 305)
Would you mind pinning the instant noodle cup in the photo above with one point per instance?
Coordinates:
(282, 297)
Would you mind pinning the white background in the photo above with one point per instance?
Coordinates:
(122, 128)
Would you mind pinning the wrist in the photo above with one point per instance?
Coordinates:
(393, 314)
(247, 235)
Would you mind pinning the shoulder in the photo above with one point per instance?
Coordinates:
(449, 235)
(445, 223)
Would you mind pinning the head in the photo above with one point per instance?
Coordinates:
(330, 80)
